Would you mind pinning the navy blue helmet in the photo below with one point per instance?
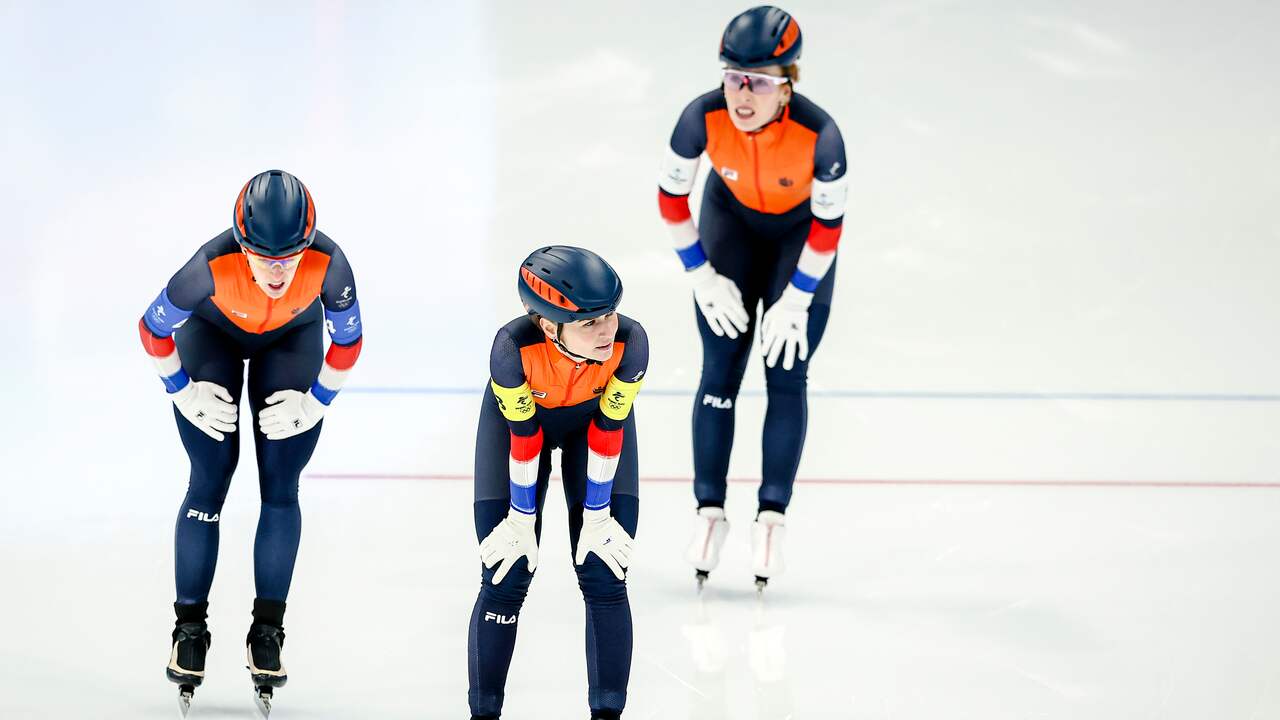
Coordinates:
(763, 35)
(565, 284)
(274, 215)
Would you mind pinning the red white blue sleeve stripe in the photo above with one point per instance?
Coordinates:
(675, 182)
(603, 449)
(346, 332)
(827, 203)
(155, 329)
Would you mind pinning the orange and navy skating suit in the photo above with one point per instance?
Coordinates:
(206, 323)
(539, 399)
(771, 216)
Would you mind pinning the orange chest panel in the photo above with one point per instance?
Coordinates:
(770, 171)
(243, 302)
(557, 381)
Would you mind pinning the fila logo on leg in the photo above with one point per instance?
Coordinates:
(202, 516)
(718, 403)
(500, 619)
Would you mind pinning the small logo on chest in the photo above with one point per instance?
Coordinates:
(597, 391)
(785, 182)
(729, 173)
(242, 316)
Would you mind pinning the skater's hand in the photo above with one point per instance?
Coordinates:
(289, 413)
(602, 535)
(784, 329)
(511, 540)
(720, 301)
(208, 406)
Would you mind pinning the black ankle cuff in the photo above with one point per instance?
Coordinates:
(194, 612)
(268, 612)
(769, 505)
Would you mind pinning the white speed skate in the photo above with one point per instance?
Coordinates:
(709, 531)
(767, 534)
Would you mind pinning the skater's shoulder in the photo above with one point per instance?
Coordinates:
(324, 244)
(518, 333)
(224, 243)
(629, 329)
(807, 114)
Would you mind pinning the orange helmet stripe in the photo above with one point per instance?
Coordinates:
(788, 38)
(545, 291)
(240, 210)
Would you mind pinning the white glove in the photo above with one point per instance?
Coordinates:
(289, 413)
(208, 406)
(511, 540)
(785, 327)
(719, 299)
(602, 535)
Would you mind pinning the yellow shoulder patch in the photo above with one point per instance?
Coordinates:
(617, 398)
(515, 403)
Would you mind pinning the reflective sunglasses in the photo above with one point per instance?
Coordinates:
(273, 264)
(757, 83)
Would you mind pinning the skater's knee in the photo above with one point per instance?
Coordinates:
(511, 592)
(598, 584)
(779, 381)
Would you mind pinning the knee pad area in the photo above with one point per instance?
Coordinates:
(598, 584)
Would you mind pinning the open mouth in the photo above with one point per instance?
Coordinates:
(276, 286)
(745, 113)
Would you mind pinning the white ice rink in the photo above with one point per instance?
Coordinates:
(1041, 473)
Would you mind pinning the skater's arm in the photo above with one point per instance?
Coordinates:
(675, 181)
(515, 401)
(175, 303)
(827, 203)
(342, 319)
(605, 435)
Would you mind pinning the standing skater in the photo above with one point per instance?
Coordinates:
(564, 375)
(250, 294)
(770, 222)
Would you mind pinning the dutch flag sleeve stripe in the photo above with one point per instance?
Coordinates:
(603, 449)
(347, 335)
(164, 355)
(675, 182)
(523, 467)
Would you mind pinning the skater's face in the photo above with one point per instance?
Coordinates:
(755, 96)
(273, 275)
(591, 339)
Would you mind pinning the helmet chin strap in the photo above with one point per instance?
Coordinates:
(569, 353)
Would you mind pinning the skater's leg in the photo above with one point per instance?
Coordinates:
(608, 610)
(491, 634)
(290, 363)
(787, 417)
(733, 252)
(207, 354)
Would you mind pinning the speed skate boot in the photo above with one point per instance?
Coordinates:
(709, 531)
(191, 642)
(263, 646)
(766, 546)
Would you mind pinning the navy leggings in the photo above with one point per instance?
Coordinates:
(491, 638)
(286, 359)
(757, 251)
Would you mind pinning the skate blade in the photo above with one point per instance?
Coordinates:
(185, 693)
(262, 697)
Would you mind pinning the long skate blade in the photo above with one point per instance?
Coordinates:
(185, 693)
(262, 698)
